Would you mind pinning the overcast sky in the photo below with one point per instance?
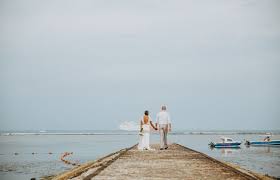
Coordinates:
(77, 65)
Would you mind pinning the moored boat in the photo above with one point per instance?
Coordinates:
(265, 142)
(225, 143)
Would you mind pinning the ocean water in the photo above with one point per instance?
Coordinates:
(25, 155)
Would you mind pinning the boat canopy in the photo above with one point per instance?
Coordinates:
(226, 139)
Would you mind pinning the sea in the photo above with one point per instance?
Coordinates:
(34, 154)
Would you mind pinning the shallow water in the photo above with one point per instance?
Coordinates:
(26, 165)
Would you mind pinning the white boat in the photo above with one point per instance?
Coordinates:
(226, 143)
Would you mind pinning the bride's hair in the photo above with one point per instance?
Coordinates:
(146, 113)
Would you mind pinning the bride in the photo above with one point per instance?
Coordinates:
(145, 123)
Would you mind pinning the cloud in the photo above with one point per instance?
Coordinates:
(129, 126)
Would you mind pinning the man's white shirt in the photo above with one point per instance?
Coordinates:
(163, 117)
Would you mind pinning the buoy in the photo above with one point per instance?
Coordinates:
(65, 161)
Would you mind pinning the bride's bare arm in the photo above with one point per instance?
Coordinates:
(153, 125)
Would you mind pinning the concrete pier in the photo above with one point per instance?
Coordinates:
(177, 162)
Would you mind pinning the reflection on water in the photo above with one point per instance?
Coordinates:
(230, 152)
(34, 160)
(265, 160)
(261, 149)
(226, 152)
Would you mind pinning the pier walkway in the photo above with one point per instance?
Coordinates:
(177, 162)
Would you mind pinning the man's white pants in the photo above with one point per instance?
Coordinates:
(163, 128)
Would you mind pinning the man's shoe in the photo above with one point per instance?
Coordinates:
(161, 149)
(166, 147)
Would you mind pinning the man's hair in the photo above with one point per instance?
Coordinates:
(163, 107)
(146, 112)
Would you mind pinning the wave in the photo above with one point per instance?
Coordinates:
(131, 128)
(228, 132)
(105, 133)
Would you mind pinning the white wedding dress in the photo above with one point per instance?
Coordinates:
(144, 137)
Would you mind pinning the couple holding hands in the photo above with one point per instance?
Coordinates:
(163, 124)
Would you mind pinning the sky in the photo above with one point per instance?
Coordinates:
(95, 64)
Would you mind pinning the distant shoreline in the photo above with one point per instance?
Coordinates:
(136, 132)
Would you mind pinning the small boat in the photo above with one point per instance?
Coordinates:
(225, 143)
(265, 142)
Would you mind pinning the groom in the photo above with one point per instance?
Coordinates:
(163, 123)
